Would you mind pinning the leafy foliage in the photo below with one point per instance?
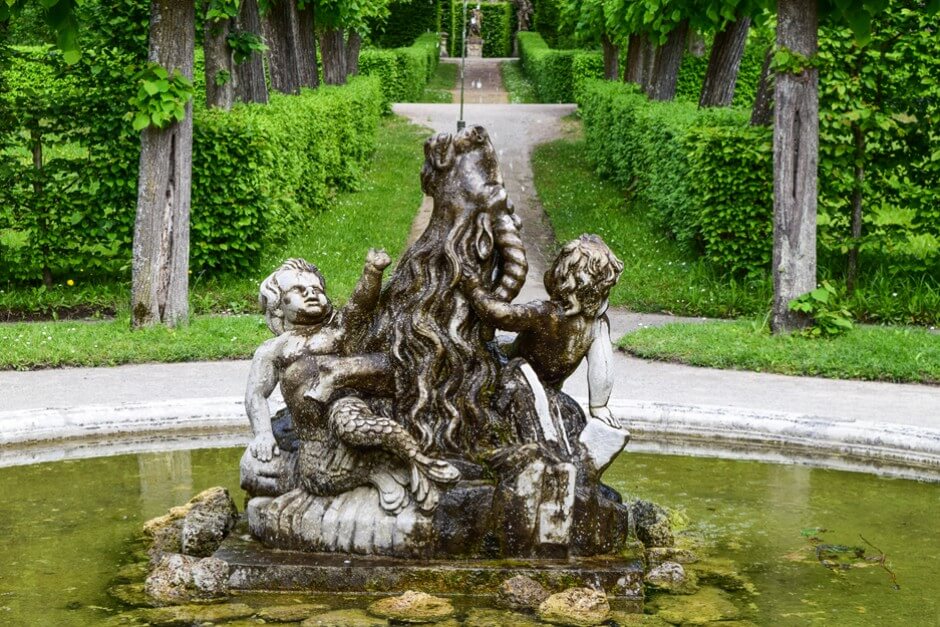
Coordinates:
(823, 304)
(244, 44)
(499, 24)
(553, 71)
(408, 20)
(161, 97)
(403, 72)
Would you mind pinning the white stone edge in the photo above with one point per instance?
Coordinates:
(28, 436)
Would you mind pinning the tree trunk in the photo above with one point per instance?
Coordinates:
(762, 112)
(665, 74)
(306, 49)
(353, 45)
(639, 60)
(333, 49)
(851, 276)
(160, 281)
(219, 67)
(611, 59)
(796, 156)
(250, 85)
(279, 26)
(36, 144)
(723, 64)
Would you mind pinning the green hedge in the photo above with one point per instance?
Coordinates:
(546, 21)
(403, 72)
(556, 73)
(693, 68)
(407, 20)
(254, 169)
(671, 158)
(499, 24)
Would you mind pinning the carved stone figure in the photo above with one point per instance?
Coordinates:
(409, 431)
(476, 22)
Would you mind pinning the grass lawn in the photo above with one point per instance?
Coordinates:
(867, 352)
(657, 276)
(378, 215)
(521, 91)
(443, 80)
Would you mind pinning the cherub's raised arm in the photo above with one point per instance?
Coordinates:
(502, 315)
(366, 294)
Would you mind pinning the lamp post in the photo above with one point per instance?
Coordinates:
(463, 66)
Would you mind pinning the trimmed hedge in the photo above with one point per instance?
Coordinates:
(499, 24)
(556, 73)
(408, 20)
(693, 68)
(259, 167)
(403, 72)
(254, 170)
(697, 171)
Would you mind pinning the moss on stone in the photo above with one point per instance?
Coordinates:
(344, 618)
(413, 607)
(708, 605)
(290, 613)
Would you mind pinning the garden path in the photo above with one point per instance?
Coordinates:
(484, 84)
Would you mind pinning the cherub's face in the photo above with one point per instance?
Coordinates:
(303, 299)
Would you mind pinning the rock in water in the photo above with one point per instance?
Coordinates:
(290, 613)
(413, 607)
(521, 592)
(176, 578)
(575, 607)
(212, 515)
(196, 528)
(671, 576)
(653, 526)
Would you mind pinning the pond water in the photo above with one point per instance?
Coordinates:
(65, 528)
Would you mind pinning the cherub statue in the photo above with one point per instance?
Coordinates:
(476, 22)
(311, 337)
(555, 335)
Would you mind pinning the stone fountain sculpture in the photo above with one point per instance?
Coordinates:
(411, 429)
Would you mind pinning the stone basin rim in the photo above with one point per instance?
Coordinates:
(886, 448)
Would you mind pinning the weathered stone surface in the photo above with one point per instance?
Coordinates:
(290, 613)
(656, 555)
(575, 607)
(672, 577)
(176, 578)
(522, 592)
(413, 607)
(653, 525)
(344, 618)
(254, 567)
(497, 618)
(186, 614)
(707, 605)
(211, 507)
(211, 517)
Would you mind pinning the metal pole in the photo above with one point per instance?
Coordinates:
(463, 66)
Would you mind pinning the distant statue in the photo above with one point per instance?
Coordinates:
(476, 22)
(524, 12)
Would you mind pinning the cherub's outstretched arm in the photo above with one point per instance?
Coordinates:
(365, 296)
(262, 379)
(502, 315)
(600, 371)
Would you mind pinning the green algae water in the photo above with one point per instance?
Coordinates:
(66, 528)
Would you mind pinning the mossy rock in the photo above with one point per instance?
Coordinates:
(132, 572)
(186, 614)
(290, 613)
(705, 606)
(344, 618)
(413, 607)
(575, 607)
(498, 618)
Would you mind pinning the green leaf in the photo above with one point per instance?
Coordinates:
(141, 121)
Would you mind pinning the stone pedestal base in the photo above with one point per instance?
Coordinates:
(474, 48)
(255, 567)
